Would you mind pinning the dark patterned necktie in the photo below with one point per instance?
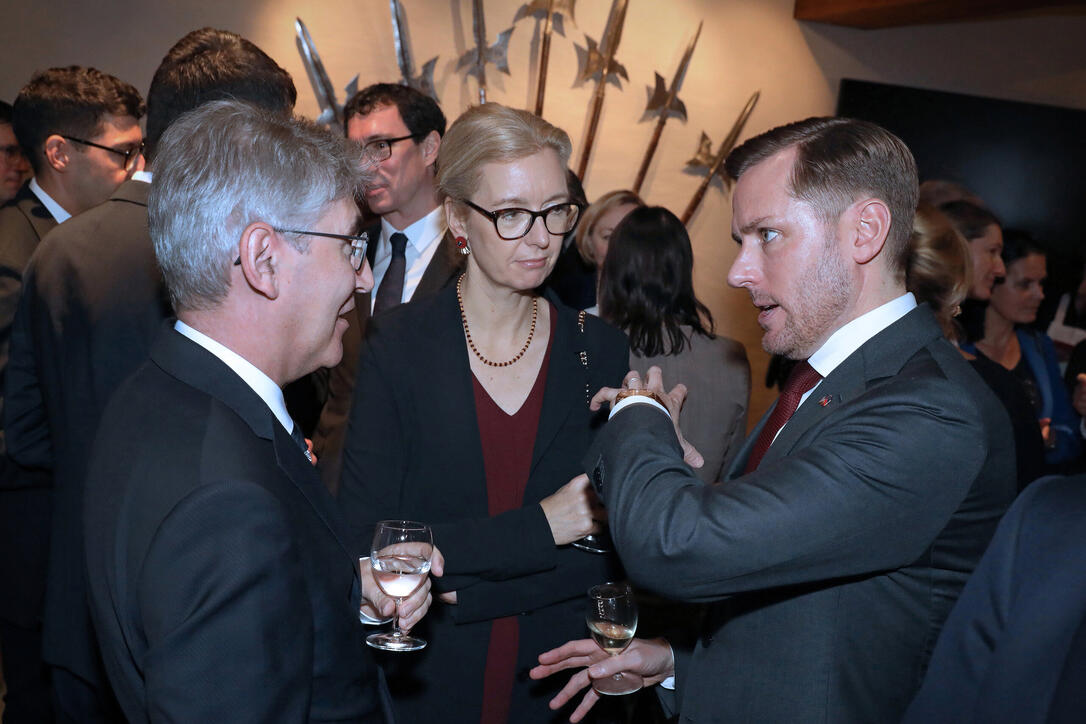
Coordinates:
(802, 378)
(299, 438)
(390, 293)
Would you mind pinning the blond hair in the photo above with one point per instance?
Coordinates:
(492, 133)
(939, 267)
(592, 215)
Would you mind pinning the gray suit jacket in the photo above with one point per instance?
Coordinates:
(829, 570)
(717, 378)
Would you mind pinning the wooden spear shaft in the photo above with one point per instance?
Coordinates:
(544, 57)
(718, 160)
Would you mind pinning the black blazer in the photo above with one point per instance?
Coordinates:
(445, 265)
(1014, 647)
(830, 569)
(92, 305)
(223, 584)
(25, 500)
(413, 451)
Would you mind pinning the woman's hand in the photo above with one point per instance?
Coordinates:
(573, 511)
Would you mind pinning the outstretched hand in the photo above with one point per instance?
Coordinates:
(652, 659)
(672, 400)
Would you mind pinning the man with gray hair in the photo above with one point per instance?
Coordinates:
(850, 519)
(224, 584)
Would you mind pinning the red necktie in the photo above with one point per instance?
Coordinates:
(802, 378)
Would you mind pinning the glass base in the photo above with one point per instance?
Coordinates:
(619, 684)
(595, 543)
(392, 642)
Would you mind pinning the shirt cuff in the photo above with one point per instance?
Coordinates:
(364, 617)
(637, 400)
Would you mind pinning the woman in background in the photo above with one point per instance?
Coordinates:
(646, 288)
(597, 224)
(471, 414)
(1027, 353)
(939, 273)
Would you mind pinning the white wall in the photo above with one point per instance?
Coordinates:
(746, 45)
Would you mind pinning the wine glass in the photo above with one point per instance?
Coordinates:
(612, 621)
(595, 543)
(400, 559)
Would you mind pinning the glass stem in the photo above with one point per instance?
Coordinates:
(396, 620)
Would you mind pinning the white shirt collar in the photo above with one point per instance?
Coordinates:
(55, 209)
(246, 370)
(853, 335)
(421, 233)
(144, 176)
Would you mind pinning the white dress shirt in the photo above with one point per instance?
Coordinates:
(423, 239)
(260, 383)
(55, 209)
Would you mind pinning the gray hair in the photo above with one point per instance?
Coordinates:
(227, 164)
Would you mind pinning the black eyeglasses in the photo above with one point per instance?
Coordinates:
(514, 223)
(380, 149)
(131, 155)
(355, 250)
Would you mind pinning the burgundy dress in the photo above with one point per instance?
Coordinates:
(508, 442)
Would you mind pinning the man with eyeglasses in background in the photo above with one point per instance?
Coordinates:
(412, 253)
(14, 170)
(79, 129)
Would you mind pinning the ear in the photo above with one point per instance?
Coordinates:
(871, 224)
(260, 250)
(57, 152)
(454, 217)
(430, 146)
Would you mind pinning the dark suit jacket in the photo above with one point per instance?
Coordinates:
(92, 304)
(1014, 647)
(25, 496)
(445, 265)
(830, 569)
(223, 584)
(413, 451)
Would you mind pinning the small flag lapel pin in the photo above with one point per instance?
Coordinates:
(826, 400)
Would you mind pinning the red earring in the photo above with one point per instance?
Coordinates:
(462, 245)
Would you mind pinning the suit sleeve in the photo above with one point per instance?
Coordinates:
(25, 433)
(868, 491)
(223, 598)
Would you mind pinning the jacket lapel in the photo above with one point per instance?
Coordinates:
(195, 366)
(564, 387)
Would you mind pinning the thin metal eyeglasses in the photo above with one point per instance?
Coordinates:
(131, 155)
(355, 251)
(380, 149)
(515, 223)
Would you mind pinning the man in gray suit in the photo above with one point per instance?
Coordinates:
(828, 560)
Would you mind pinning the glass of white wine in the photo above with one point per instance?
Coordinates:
(400, 559)
(612, 621)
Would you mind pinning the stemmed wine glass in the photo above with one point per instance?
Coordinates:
(400, 559)
(612, 621)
